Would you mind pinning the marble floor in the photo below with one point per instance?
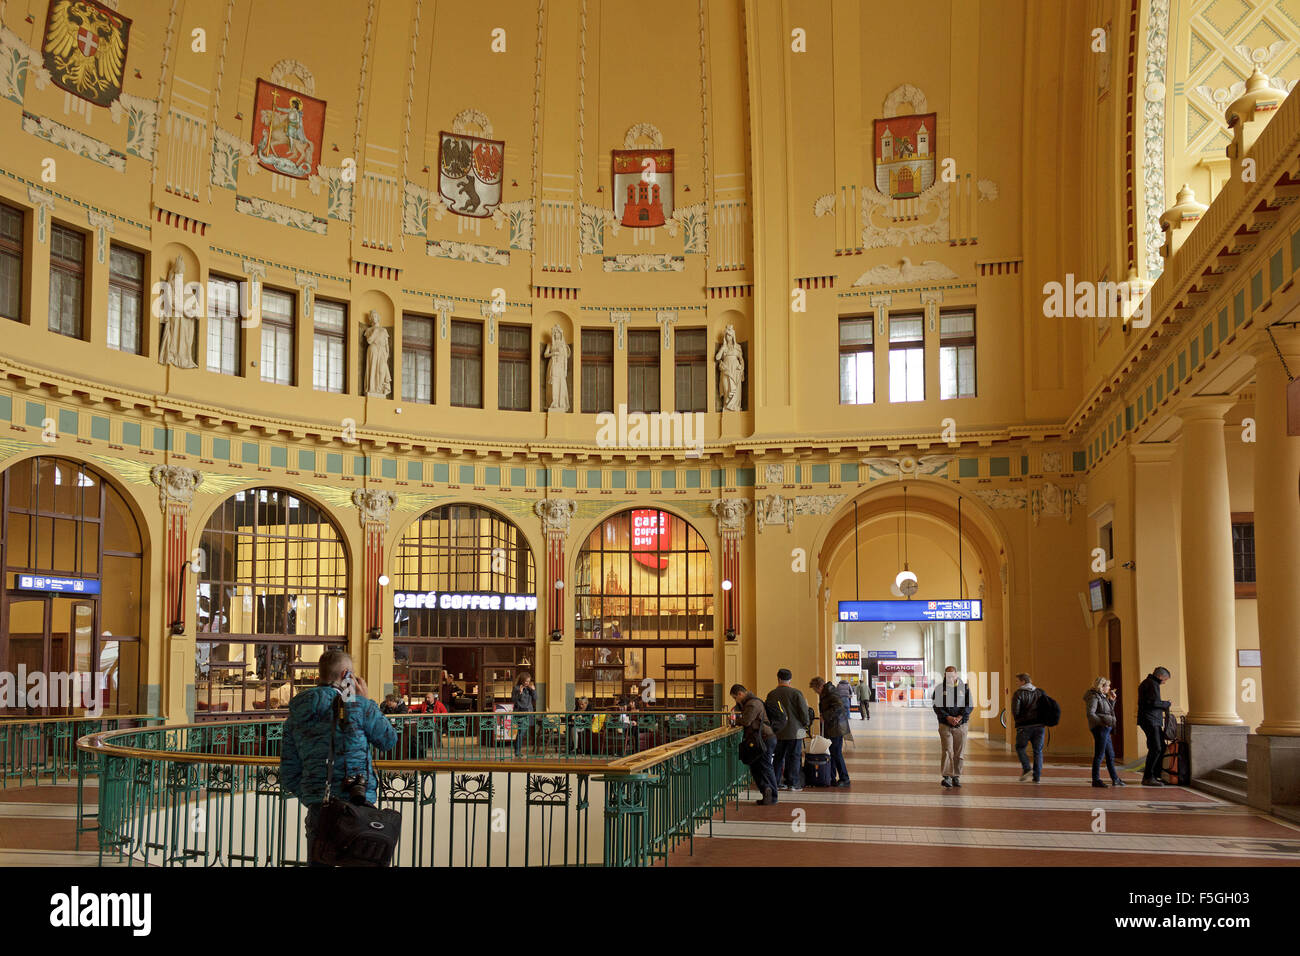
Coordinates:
(895, 813)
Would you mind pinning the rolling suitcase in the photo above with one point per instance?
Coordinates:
(817, 770)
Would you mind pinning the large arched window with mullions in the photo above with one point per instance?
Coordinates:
(70, 594)
(272, 597)
(644, 592)
(464, 606)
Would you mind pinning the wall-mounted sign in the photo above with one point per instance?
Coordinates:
(848, 658)
(911, 610)
(881, 654)
(649, 537)
(1248, 658)
(455, 601)
(49, 585)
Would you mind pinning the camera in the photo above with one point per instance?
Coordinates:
(355, 788)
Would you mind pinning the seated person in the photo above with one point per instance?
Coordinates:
(433, 705)
(393, 704)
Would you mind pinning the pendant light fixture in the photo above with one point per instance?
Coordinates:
(906, 581)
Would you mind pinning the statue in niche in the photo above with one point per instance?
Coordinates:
(557, 371)
(379, 381)
(177, 345)
(731, 370)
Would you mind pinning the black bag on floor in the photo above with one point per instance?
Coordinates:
(350, 832)
(817, 770)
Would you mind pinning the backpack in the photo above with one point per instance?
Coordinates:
(776, 715)
(1049, 711)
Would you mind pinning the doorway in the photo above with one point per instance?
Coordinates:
(1115, 671)
(49, 635)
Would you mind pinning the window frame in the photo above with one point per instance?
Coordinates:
(957, 344)
(856, 349)
(514, 360)
(218, 321)
(640, 362)
(461, 355)
(16, 249)
(592, 361)
(277, 325)
(914, 345)
(1241, 588)
(66, 266)
(329, 335)
(123, 286)
(693, 362)
(416, 350)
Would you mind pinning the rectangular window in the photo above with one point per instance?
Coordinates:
(11, 262)
(1243, 553)
(125, 299)
(1106, 540)
(224, 351)
(67, 281)
(514, 348)
(417, 359)
(277, 337)
(907, 358)
(957, 355)
(857, 361)
(643, 370)
(467, 364)
(692, 373)
(329, 347)
(597, 370)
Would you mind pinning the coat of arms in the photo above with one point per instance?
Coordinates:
(85, 49)
(470, 169)
(905, 152)
(288, 130)
(643, 187)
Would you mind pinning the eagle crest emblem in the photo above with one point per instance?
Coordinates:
(85, 49)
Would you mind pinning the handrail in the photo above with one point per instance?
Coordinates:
(73, 718)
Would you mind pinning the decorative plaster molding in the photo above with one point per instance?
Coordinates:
(472, 122)
(44, 204)
(905, 273)
(906, 466)
(1153, 132)
(141, 123)
(103, 225)
(1001, 499)
(308, 285)
(824, 205)
(923, 230)
(374, 506)
(774, 509)
(468, 252)
(520, 216)
(648, 130)
(280, 214)
(667, 318)
(644, 262)
(74, 141)
(591, 229)
(227, 149)
(17, 62)
(731, 513)
(415, 209)
(694, 221)
(904, 93)
(816, 504)
(1051, 461)
(774, 474)
(988, 190)
(176, 485)
(556, 514)
(286, 69)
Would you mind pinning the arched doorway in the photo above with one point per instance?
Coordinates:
(861, 553)
(272, 596)
(644, 594)
(70, 595)
(464, 607)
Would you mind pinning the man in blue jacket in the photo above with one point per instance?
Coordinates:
(952, 705)
(305, 747)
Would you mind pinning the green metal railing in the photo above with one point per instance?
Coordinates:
(44, 749)
(209, 794)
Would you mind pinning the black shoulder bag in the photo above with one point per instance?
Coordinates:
(350, 832)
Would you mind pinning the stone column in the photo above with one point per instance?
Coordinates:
(373, 509)
(556, 514)
(176, 487)
(1209, 621)
(730, 513)
(1274, 760)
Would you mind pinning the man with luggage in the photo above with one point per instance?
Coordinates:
(835, 724)
(953, 706)
(1030, 728)
(787, 759)
(1151, 719)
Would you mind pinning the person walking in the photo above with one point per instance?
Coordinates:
(1029, 727)
(1100, 703)
(752, 716)
(835, 726)
(787, 758)
(864, 698)
(1151, 719)
(953, 706)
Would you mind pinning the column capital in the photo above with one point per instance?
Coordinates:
(374, 507)
(1284, 339)
(1204, 408)
(176, 485)
(556, 514)
(731, 513)
(1153, 452)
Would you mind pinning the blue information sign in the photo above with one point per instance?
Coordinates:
(911, 610)
(52, 585)
(879, 654)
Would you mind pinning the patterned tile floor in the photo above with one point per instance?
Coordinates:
(895, 813)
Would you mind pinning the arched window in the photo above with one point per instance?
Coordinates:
(272, 596)
(644, 590)
(465, 607)
(70, 592)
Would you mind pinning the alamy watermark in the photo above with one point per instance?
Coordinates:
(195, 299)
(57, 690)
(651, 430)
(1084, 299)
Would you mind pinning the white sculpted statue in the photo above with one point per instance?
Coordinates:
(379, 381)
(731, 370)
(177, 345)
(557, 371)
